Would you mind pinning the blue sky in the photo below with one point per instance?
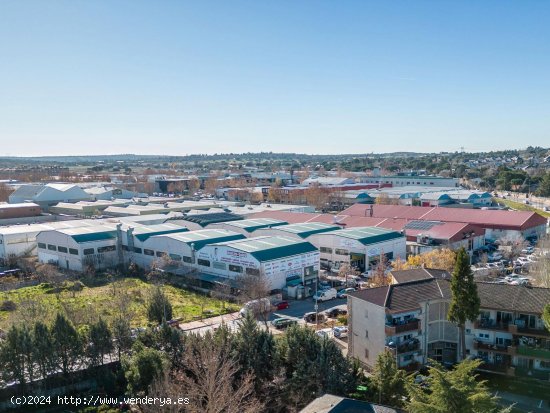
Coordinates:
(181, 77)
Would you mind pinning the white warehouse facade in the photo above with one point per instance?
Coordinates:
(361, 247)
(280, 259)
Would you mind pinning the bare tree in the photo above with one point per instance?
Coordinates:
(210, 381)
(380, 276)
(254, 287)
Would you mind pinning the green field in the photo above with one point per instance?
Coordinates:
(104, 298)
(521, 207)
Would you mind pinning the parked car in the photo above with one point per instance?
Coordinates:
(281, 305)
(310, 317)
(325, 295)
(336, 311)
(340, 331)
(325, 332)
(257, 307)
(344, 292)
(282, 323)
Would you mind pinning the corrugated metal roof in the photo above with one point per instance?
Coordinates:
(251, 225)
(367, 235)
(270, 248)
(203, 237)
(143, 233)
(212, 218)
(309, 228)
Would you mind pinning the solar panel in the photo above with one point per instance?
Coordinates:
(422, 225)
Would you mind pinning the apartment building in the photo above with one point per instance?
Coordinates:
(409, 319)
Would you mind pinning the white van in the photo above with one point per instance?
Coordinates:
(257, 307)
(325, 295)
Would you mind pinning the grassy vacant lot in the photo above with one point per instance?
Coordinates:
(86, 300)
(521, 207)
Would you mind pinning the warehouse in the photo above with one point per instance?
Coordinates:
(248, 226)
(85, 208)
(26, 209)
(298, 231)
(178, 247)
(19, 240)
(49, 194)
(282, 260)
(360, 247)
(99, 246)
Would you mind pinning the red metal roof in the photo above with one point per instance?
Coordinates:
(486, 218)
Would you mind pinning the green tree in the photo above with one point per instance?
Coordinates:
(546, 316)
(67, 344)
(100, 342)
(12, 359)
(122, 335)
(544, 186)
(159, 307)
(464, 298)
(457, 391)
(388, 381)
(142, 368)
(256, 351)
(43, 348)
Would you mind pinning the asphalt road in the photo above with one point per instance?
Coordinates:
(298, 308)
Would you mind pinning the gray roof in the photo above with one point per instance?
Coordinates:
(329, 403)
(416, 274)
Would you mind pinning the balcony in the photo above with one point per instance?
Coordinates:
(408, 346)
(539, 353)
(409, 325)
(490, 324)
(519, 329)
(480, 345)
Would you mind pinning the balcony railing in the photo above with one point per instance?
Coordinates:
(410, 325)
(479, 345)
(518, 329)
(540, 353)
(489, 324)
(404, 348)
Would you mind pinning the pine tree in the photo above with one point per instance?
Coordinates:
(67, 344)
(388, 381)
(43, 349)
(159, 307)
(142, 368)
(456, 391)
(12, 361)
(122, 335)
(465, 300)
(100, 342)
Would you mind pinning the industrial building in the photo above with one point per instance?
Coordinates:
(26, 209)
(285, 262)
(99, 246)
(361, 247)
(298, 231)
(48, 194)
(248, 226)
(180, 248)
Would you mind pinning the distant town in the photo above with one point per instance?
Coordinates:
(316, 282)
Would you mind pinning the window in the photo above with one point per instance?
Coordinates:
(483, 336)
(366, 353)
(175, 257)
(219, 265)
(52, 247)
(326, 250)
(41, 245)
(235, 268)
(204, 263)
(366, 313)
(137, 250)
(366, 333)
(187, 259)
(160, 254)
(544, 364)
(88, 251)
(408, 357)
(253, 271)
(151, 253)
(125, 248)
(73, 251)
(62, 249)
(106, 248)
(339, 251)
